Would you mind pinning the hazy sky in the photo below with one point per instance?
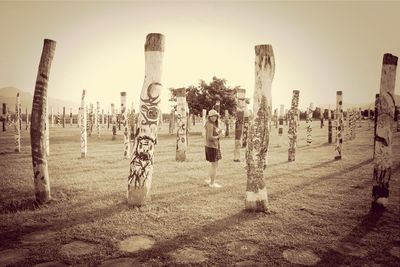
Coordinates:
(320, 47)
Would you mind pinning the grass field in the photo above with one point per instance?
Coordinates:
(318, 206)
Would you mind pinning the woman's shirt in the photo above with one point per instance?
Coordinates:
(211, 134)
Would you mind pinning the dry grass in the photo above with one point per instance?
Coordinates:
(316, 203)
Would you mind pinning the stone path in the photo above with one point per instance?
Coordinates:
(77, 248)
(12, 256)
(188, 256)
(351, 249)
(38, 237)
(120, 262)
(135, 243)
(303, 257)
(242, 248)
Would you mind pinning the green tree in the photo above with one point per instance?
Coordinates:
(205, 95)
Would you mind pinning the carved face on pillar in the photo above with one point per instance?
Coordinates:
(149, 108)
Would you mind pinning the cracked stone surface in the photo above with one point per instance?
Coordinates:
(77, 248)
(250, 264)
(12, 256)
(135, 243)
(188, 255)
(303, 257)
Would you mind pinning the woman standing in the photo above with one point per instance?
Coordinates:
(212, 148)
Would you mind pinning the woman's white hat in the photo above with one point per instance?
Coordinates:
(212, 112)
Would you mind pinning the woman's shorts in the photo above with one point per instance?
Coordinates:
(213, 154)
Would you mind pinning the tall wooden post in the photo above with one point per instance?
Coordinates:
(375, 119)
(108, 119)
(114, 122)
(329, 126)
(141, 166)
(204, 118)
(26, 119)
(256, 150)
(47, 130)
(51, 116)
(340, 124)
(83, 125)
(58, 119)
(280, 127)
(70, 117)
(124, 120)
(245, 127)
(17, 128)
(63, 118)
(38, 144)
(292, 131)
(398, 118)
(91, 119)
(240, 97)
(172, 121)
(132, 123)
(4, 116)
(309, 113)
(384, 135)
(226, 120)
(97, 118)
(181, 142)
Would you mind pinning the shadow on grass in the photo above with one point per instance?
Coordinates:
(332, 257)
(194, 235)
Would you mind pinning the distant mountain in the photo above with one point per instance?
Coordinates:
(8, 95)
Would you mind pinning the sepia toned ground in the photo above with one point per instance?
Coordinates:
(319, 208)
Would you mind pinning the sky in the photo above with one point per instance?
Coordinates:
(319, 47)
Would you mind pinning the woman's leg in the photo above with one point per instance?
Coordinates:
(213, 171)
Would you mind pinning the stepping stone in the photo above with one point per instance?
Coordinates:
(188, 255)
(51, 264)
(12, 256)
(120, 262)
(351, 249)
(38, 237)
(242, 248)
(135, 243)
(250, 264)
(303, 257)
(395, 251)
(77, 248)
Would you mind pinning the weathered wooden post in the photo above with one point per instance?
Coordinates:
(339, 130)
(245, 131)
(329, 126)
(70, 117)
(102, 118)
(17, 134)
(384, 134)
(398, 118)
(256, 150)
(124, 120)
(108, 118)
(58, 118)
(240, 98)
(132, 123)
(172, 121)
(63, 118)
(26, 119)
(114, 122)
(141, 166)
(38, 139)
(83, 124)
(51, 116)
(4, 116)
(47, 130)
(181, 138)
(375, 119)
(97, 118)
(226, 120)
(204, 118)
(309, 113)
(280, 127)
(292, 131)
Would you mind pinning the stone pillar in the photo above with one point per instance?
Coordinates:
(141, 166)
(113, 122)
(4, 116)
(124, 121)
(292, 131)
(280, 127)
(383, 160)
(83, 124)
(240, 98)
(329, 126)
(41, 178)
(256, 151)
(17, 128)
(340, 124)
(181, 138)
(309, 114)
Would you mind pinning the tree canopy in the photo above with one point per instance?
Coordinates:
(205, 95)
